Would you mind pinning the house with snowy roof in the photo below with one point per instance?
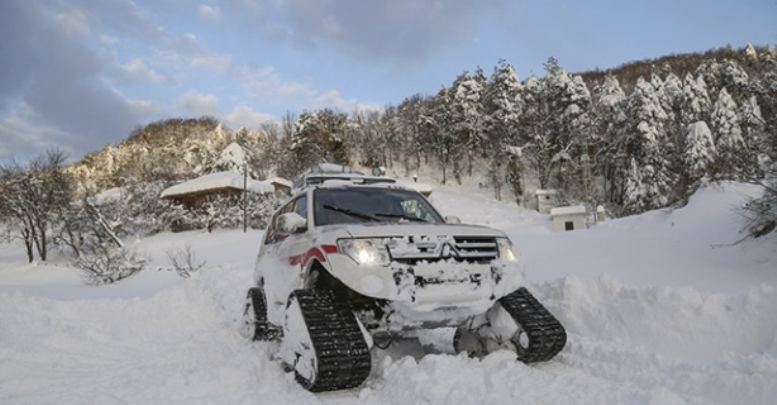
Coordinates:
(193, 193)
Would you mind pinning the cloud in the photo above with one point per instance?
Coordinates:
(332, 99)
(74, 23)
(145, 108)
(244, 116)
(22, 137)
(210, 13)
(58, 79)
(137, 72)
(197, 104)
(84, 73)
(399, 31)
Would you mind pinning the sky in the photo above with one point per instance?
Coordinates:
(77, 75)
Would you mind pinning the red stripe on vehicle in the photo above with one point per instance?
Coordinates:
(296, 259)
(304, 258)
(314, 252)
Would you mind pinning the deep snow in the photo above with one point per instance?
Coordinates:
(660, 309)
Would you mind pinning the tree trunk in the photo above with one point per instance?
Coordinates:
(42, 249)
(28, 244)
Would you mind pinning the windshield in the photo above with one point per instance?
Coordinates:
(366, 204)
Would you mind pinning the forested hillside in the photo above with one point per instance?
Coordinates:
(633, 138)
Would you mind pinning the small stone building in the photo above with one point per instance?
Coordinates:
(568, 218)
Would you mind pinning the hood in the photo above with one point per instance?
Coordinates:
(382, 229)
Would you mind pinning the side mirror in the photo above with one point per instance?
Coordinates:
(290, 223)
(452, 219)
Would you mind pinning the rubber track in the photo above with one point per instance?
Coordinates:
(546, 334)
(263, 330)
(344, 360)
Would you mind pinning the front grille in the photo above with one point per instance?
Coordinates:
(469, 249)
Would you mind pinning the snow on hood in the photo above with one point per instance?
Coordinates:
(384, 229)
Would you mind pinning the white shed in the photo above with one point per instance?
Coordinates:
(546, 200)
(568, 218)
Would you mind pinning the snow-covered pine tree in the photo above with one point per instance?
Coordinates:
(752, 124)
(556, 124)
(608, 117)
(413, 143)
(673, 89)
(728, 74)
(304, 148)
(635, 196)
(700, 153)
(728, 137)
(503, 107)
(232, 159)
(437, 121)
(646, 140)
(535, 122)
(675, 127)
(466, 120)
(696, 105)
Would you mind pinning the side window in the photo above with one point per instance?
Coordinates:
(301, 207)
(272, 230)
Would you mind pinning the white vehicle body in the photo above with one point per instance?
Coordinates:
(401, 264)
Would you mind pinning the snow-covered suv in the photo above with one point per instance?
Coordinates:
(343, 268)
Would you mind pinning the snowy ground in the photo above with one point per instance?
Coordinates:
(658, 307)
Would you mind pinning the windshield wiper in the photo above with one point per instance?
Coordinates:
(351, 212)
(400, 216)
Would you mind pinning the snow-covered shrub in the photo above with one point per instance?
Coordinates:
(145, 213)
(184, 260)
(105, 263)
(761, 213)
(226, 212)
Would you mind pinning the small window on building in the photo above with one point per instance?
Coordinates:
(569, 226)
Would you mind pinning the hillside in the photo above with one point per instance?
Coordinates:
(679, 64)
(171, 150)
(176, 149)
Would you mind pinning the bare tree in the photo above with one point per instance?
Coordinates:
(184, 260)
(33, 196)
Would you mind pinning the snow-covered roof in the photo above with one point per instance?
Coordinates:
(279, 180)
(546, 192)
(573, 210)
(216, 181)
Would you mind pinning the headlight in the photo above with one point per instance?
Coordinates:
(365, 252)
(506, 251)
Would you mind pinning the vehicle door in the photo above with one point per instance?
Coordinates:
(280, 265)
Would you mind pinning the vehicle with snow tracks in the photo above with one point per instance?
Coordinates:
(344, 268)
